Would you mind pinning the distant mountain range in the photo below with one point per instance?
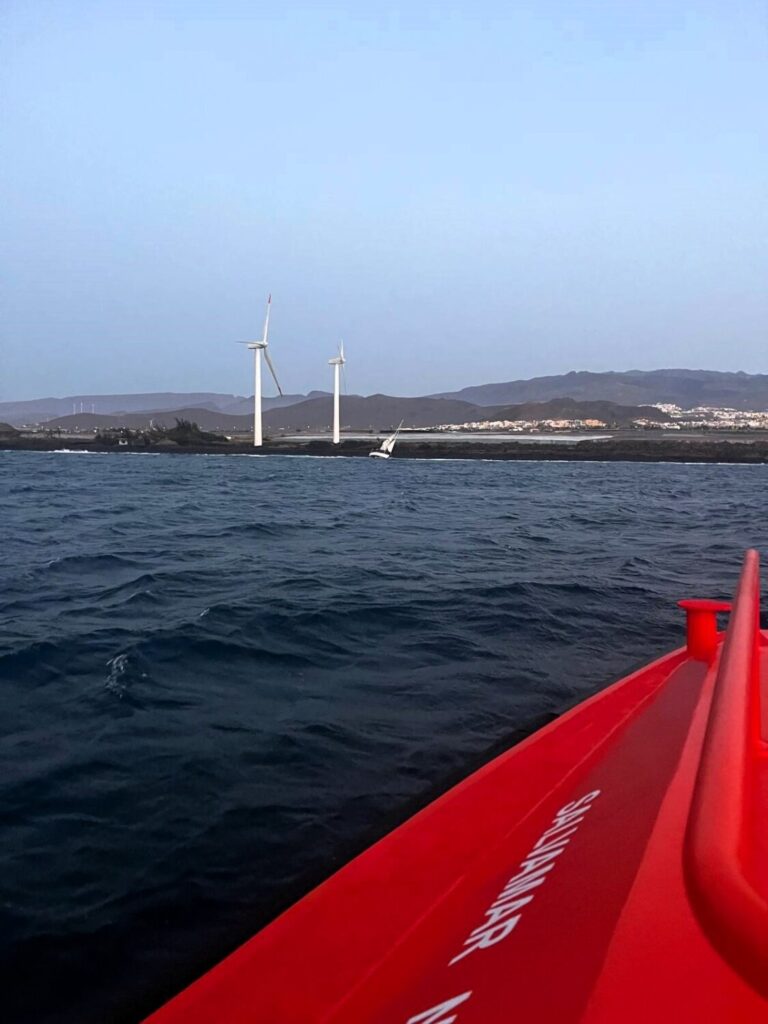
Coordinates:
(377, 413)
(244, 406)
(382, 412)
(41, 410)
(686, 388)
(628, 389)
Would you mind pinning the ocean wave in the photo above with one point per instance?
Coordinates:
(89, 563)
(221, 676)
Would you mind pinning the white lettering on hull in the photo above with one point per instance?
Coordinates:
(503, 915)
(435, 1014)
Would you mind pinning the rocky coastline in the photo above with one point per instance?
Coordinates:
(614, 449)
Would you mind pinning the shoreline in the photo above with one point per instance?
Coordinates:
(675, 450)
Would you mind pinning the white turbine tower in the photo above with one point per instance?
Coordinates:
(258, 347)
(337, 362)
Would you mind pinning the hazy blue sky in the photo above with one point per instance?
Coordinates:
(465, 192)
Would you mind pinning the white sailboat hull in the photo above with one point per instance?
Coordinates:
(386, 447)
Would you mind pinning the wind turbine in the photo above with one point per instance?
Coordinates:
(258, 347)
(337, 362)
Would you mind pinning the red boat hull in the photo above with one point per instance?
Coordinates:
(609, 868)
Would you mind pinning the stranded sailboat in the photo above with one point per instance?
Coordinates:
(612, 867)
(385, 449)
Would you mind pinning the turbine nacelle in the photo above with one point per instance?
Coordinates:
(338, 360)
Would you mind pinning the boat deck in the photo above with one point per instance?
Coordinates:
(609, 868)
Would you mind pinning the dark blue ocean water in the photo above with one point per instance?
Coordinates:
(221, 676)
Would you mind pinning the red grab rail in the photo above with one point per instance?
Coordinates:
(723, 838)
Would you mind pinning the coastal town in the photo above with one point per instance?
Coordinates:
(701, 418)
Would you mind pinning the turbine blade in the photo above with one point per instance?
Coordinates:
(272, 371)
(265, 339)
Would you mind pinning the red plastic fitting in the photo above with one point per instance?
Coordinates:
(701, 626)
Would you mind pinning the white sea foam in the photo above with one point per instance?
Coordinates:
(116, 680)
(74, 451)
